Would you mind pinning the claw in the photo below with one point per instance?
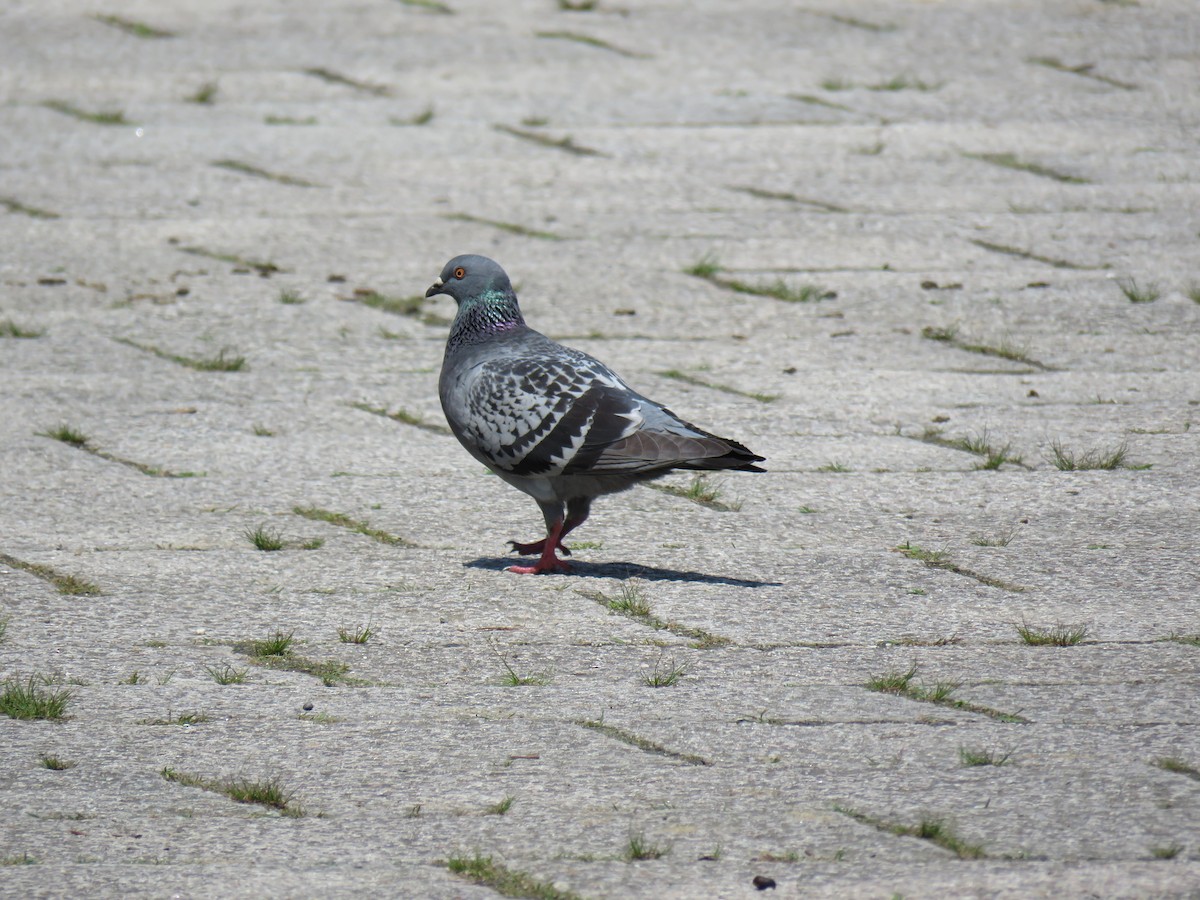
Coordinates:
(549, 561)
(542, 565)
(534, 548)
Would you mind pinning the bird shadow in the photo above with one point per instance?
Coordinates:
(624, 570)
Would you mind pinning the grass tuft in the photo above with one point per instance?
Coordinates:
(227, 674)
(10, 329)
(1177, 766)
(32, 699)
(892, 682)
(677, 375)
(205, 95)
(483, 870)
(940, 559)
(54, 763)
(70, 585)
(1056, 636)
(1067, 461)
(566, 144)
(903, 83)
(500, 808)
(106, 117)
(971, 757)
(188, 718)
(1010, 161)
(360, 634)
(936, 831)
(424, 117)
(630, 602)
(638, 848)
(664, 675)
(901, 684)
(513, 679)
(1178, 637)
(341, 520)
(242, 168)
(644, 744)
(268, 792)
(278, 644)
(219, 363)
(509, 227)
(589, 41)
(701, 491)
(1006, 349)
(288, 297)
(1167, 851)
(1136, 293)
(68, 434)
(1002, 539)
(994, 456)
(264, 538)
(135, 28)
(708, 268)
(332, 77)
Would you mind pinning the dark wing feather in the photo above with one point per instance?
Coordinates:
(565, 413)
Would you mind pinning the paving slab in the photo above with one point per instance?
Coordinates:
(924, 257)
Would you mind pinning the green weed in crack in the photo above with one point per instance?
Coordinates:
(940, 693)
(512, 678)
(1055, 636)
(709, 268)
(1095, 459)
(665, 674)
(1177, 766)
(264, 538)
(1136, 293)
(54, 763)
(501, 807)
(359, 634)
(975, 757)
(639, 848)
(486, 871)
(10, 329)
(31, 699)
(927, 828)
(227, 674)
(268, 792)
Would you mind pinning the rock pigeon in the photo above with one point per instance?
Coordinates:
(552, 421)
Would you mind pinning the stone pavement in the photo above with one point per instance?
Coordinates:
(914, 253)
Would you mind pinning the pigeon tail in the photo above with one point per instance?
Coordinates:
(737, 459)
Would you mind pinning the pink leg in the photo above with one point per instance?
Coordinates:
(533, 548)
(548, 562)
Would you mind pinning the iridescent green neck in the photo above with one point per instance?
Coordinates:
(483, 315)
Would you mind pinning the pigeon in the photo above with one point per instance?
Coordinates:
(552, 421)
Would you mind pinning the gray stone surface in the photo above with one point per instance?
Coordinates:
(1032, 158)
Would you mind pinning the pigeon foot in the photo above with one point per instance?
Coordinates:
(535, 547)
(542, 566)
(549, 561)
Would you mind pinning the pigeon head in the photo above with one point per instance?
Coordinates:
(468, 277)
(485, 298)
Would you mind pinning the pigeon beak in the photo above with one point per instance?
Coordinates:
(435, 288)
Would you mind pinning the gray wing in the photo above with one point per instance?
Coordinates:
(548, 415)
(567, 414)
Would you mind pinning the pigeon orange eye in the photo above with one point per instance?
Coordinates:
(460, 272)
